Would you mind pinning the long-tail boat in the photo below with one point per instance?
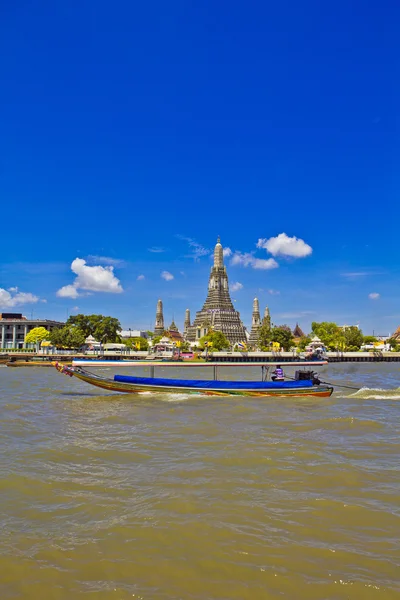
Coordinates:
(306, 384)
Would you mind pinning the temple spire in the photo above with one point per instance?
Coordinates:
(218, 254)
(187, 322)
(255, 324)
(159, 326)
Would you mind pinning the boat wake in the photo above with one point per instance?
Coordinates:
(376, 394)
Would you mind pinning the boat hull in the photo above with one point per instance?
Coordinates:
(133, 388)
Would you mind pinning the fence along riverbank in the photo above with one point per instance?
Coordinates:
(38, 359)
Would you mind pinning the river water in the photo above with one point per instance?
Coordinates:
(109, 497)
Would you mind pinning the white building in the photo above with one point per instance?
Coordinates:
(127, 333)
(14, 328)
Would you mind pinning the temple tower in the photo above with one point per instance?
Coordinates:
(218, 311)
(267, 318)
(187, 322)
(159, 326)
(255, 324)
(173, 327)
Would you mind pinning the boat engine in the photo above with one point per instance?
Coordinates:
(307, 375)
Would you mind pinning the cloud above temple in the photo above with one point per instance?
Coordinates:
(156, 249)
(91, 279)
(374, 296)
(235, 287)
(283, 245)
(12, 297)
(247, 259)
(226, 252)
(140, 278)
(105, 260)
(167, 276)
(196, 250)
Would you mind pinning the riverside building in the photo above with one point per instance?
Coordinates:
(14, 328)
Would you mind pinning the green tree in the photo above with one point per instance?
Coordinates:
(330, 335)
(283, 335)
(68, 337)
(369, 339)
(353, 338)
(265, 333)
(394, 343)
(134, 341)
(107, 330)
(37, 335)
(104, 329)
(217, 339)
(156, 339)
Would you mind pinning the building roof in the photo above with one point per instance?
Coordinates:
(175, 336)
(297, 331)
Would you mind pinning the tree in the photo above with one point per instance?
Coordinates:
(369, 339)
(104, 329)
(69, 336)
(107, 330)
(353, 338)
(330, 335)
(216, 338)
(37, 335)
(394, 343)
(134, 342)
(264, 333)
(283, 335)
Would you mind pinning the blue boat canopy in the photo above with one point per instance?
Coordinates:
(215, 385)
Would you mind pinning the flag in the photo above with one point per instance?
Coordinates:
(241, 345)
(210, 343)
(178, 344)
(137, 345)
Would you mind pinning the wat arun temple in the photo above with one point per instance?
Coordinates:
(218, 312)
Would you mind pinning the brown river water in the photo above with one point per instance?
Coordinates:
(109, 497)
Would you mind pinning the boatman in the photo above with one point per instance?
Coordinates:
(278, 374)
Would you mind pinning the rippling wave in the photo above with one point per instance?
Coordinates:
(111, 496)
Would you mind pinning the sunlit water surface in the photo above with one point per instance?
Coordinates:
(111, 497)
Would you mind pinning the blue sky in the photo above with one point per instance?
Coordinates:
(133, 126)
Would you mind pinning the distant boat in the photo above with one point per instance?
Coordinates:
(131, 385)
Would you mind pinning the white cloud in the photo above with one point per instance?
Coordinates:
(167, 276)
(284, 245)
(226, 252)
(198, 250)
(355, 275)
(140, 277)
(235, 287)
(93, 279)
(247, 259)
(374, 296)
(68, 291)
(156, 249)
(8, 300)
(107, 260)
(273, 292)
